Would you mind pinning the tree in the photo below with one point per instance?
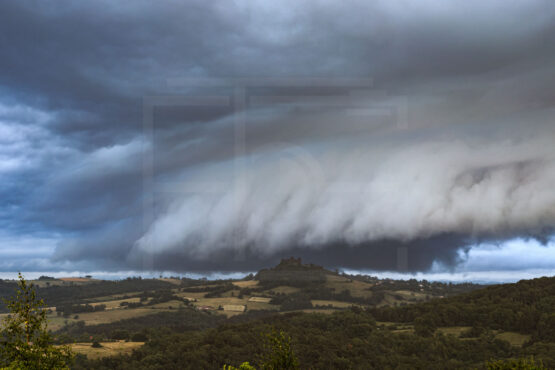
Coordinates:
(518, 364)
(424, 326)
(279, 354)
(243, 366)
(120, 334)
(27, 343)
(139, 337)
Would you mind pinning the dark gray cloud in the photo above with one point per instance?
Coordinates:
(451, 145)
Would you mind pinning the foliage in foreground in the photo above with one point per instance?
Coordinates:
(26, 342)
(278, 354)
(342, 340)
(518, 364)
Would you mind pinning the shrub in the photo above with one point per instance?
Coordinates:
(27, 343)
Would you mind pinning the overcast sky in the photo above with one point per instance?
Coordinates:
(215, 137)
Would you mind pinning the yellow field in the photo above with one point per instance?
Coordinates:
(190, 295)
(101, 317)
(113, 297)
(285, 289)
(312, 310)
(453, 330)
(172, 281)
(46, 283)
(411, 295)
(260, 299)
(357, 288)
(228, 313)
(215, 302)
(107, 349)
(246, 283)
(228, 299)
(166, 305)
(77, 279)
(516, 339)
(405, 329)
(115, 304)
(385, 323)
(261, 306)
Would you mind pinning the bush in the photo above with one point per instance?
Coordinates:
(424, 326)
(27, 343)
(473, 332)
(139, 337)
(518, 364)
(120, 335)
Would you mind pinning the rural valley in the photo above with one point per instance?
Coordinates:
(122, 324)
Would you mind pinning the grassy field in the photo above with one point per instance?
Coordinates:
(455, 331)
(228, 298)
(261, 306)
(101, 317)
(115, 304)
(403, 328)
(215, 302)
(167, 305)
(246, 283)
(408, 295)
(284, 289)
(357, 288)
(312, 310)
(62, 282)
(516, 339)
(113, 297)
(107, 349)
(190, 295)
(115, 312)
(172, 281)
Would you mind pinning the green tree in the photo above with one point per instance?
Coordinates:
(424, 326)
(26, 341)
(243, 366)
(279, 354)
(518, 364)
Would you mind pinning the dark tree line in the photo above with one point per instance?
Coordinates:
(527, 307)
(342, 340)
(62, 295)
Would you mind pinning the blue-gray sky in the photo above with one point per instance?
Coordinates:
(422, 129)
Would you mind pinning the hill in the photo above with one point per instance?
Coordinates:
(526, 307)
(336, 320)
(291, 272)
(422, 335)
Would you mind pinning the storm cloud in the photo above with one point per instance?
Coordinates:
(441, 138)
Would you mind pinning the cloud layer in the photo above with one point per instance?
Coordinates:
(360, 194)
(450, 146)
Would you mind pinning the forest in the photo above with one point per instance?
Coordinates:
(334, 320)
(458, 331)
